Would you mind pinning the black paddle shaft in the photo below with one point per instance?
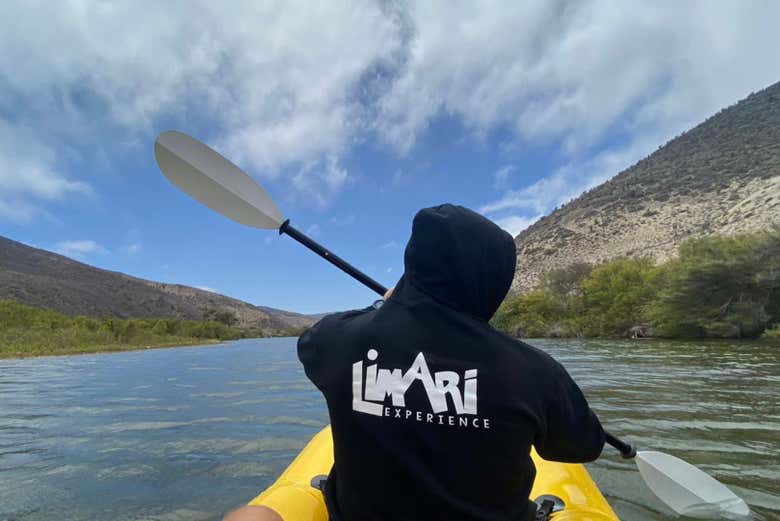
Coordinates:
(626, 450)
(331, 257)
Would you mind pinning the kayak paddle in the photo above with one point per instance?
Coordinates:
(208, 177)
(686, 489)
(205, 175)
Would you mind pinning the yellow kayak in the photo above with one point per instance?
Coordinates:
(295, 499)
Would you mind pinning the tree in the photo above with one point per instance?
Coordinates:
(160, 327)
(615, 295)
(719, 287)
(224, 316)
(566, 281)
(534, 314)
(768, 258)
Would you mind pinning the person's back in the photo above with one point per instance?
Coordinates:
(434, 412)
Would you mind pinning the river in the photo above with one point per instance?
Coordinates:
(188, 433)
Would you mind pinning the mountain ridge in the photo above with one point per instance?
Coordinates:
(41, 278)
(720, 177)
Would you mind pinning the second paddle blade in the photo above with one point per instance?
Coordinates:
(207, 176)
(688, 490)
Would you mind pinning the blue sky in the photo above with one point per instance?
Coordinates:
(352, 117)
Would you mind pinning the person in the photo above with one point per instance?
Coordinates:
(434, 412)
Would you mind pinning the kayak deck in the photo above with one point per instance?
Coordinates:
(295, 499)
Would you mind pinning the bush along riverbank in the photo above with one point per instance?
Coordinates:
(31, 331)
(716, 287)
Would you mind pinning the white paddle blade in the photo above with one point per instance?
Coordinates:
(688, 490)
(208, 177)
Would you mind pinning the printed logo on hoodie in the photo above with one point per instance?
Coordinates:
(371, 388)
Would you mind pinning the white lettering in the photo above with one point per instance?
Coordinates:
(447, 382)
(357, 392)
(369, 396)
(470, 392)
(387, 383)
(419, 371)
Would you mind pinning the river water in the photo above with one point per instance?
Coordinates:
(189, 433)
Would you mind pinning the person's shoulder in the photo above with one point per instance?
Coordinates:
(341, 317)
(336, 322)
(326, 333)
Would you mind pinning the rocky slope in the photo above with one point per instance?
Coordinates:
(721, 177)
(44, 279)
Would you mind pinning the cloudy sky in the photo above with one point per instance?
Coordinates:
(352, 114)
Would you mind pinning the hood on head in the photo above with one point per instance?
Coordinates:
(460, 258)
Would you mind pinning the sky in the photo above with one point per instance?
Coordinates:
(353, 115)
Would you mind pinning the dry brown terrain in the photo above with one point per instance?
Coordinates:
(44, 279)
(721, 177)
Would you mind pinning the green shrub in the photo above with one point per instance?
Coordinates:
(615, 296)
(27, 330)
(717, 287)
(534, 314)
(772, 334)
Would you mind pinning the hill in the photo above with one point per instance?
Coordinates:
(44, 279)
(720, 178)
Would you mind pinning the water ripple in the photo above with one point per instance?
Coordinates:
(189, 433)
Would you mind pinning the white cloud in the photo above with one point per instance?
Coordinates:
(28, 174)
(569, 73)
(288, 89)
(515, 224)
(19, 211)
(319, 181)
(133, 248)
(79, 249)
(278, 84)
(313, 229)
(390, 245)
(207, 288)
(501, 176)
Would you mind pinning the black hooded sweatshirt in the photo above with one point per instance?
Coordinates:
(433, 411)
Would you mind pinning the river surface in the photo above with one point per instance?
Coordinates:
(189, 433)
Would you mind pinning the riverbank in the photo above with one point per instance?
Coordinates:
(764, 340)
(716, 287)
(91, 349)
(26, 331)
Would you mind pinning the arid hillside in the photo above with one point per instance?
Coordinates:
(41, 278)
(721, 177)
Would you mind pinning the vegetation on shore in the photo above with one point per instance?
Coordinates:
(31, 331)
(716, 287)
(772, 334)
